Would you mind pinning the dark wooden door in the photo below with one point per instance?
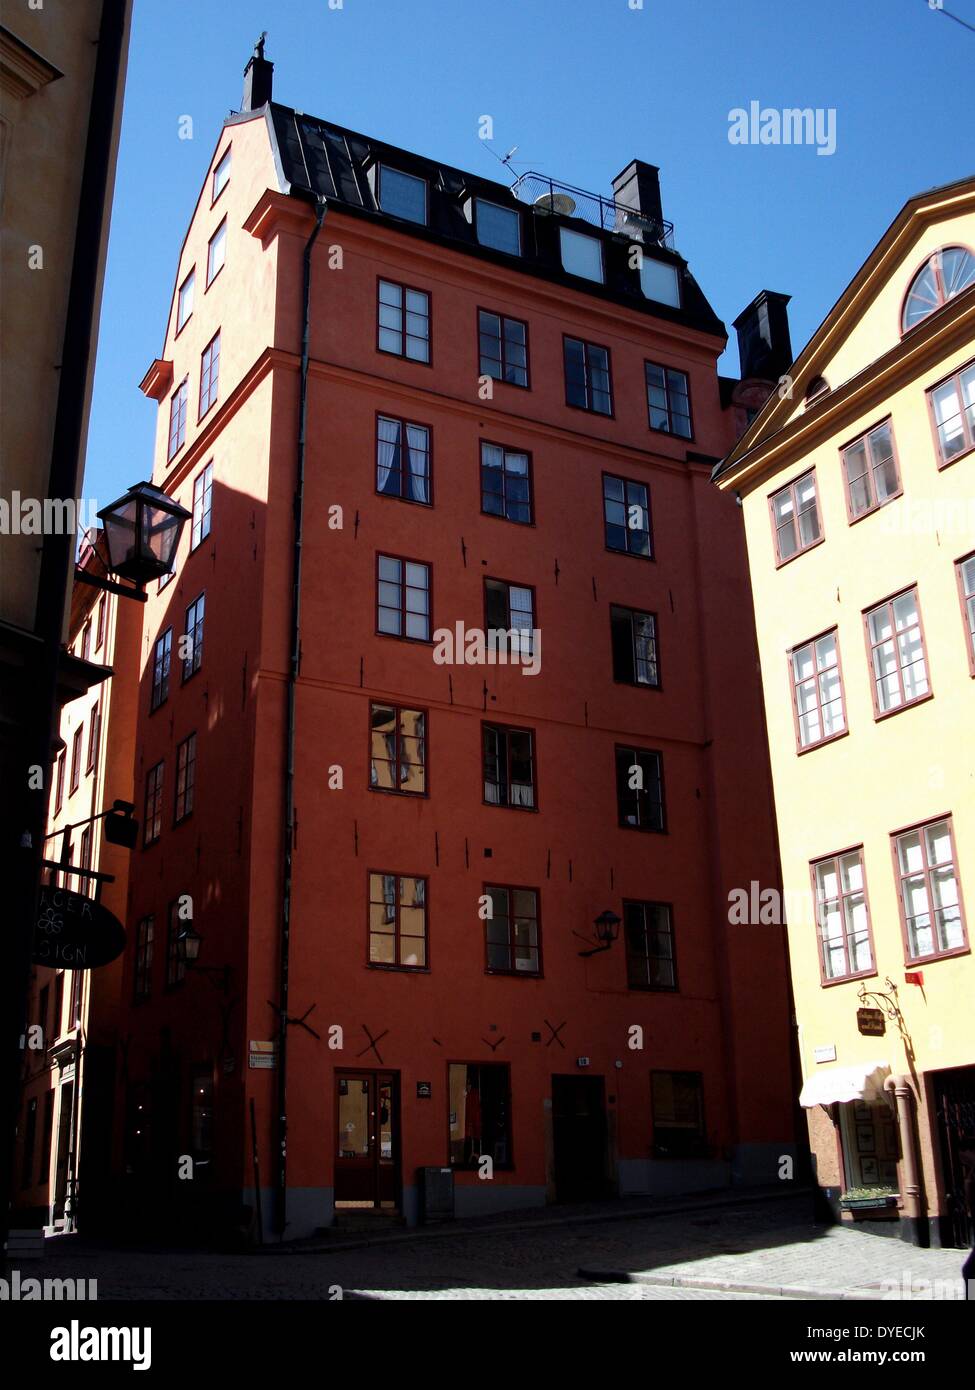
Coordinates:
(579, 1138)
(367, 1139)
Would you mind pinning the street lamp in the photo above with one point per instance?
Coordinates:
(188, 945)
(141, 531)
(606, 928)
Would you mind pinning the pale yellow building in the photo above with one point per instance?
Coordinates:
(857, 483)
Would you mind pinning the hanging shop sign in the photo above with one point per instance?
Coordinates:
(73, 932)
(871, 1022)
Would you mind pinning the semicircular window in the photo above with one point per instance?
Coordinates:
(944, 275)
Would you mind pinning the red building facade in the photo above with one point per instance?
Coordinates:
(400, 400)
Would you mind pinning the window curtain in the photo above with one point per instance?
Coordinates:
(419, 456)
(387, 452)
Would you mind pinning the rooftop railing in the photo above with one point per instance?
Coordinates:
(551, 196)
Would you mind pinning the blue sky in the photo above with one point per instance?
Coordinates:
(581, 87)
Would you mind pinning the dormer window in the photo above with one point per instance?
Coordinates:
(819, 386)
(402, 195)
(945, 274)
(582, 255)
(498, 227)
(658, 281)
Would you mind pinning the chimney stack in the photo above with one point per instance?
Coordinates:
(258, 78)
(638, 187)
(764, 345)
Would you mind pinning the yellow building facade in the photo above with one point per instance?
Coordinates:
(857, 483)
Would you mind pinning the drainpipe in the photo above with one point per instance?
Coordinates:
(900, 1088)
(281, 1211)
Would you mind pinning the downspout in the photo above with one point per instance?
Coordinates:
(914, 1220)
(281, 1211)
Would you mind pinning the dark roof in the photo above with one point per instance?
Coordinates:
(319, 159)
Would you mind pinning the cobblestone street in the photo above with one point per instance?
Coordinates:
(715, 1251)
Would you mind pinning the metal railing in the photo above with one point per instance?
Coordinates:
(565, 200)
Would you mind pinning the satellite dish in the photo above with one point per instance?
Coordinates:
(556, 202)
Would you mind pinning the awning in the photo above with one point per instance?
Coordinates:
(839, 1084)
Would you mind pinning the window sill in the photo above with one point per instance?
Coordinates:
(398, 969)
(946, 463)
(914, 962)
(870, 974)
(877, 507)
(780, 564)
(516, 974)
(395, 791)
(880, 715)
(821, 742)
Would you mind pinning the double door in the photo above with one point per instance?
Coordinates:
(367, 1162)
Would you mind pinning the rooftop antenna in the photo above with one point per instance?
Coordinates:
(506, 160)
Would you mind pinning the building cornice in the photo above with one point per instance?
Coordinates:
(22, 70)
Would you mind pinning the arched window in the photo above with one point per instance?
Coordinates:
(942, 276)
(819, 386)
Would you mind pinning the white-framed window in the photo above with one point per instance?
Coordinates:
(185, 305)
(582, 255)
(221, 176)
(498, 227)
(217, 252)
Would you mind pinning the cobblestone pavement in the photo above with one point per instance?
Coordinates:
(767, 1246)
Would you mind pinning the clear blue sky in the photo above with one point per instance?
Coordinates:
(582, 87)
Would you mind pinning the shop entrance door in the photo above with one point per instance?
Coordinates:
(367, 1160)
(954, 1093)
(579, 1138)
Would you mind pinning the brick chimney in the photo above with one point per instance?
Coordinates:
(258, 79)
(638, 187)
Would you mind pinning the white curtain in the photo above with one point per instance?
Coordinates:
(387, 448)
(417, 439)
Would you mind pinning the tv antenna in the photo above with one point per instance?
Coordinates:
(506, 160)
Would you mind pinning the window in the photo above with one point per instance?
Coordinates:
(930, 896)
(842, 918)
(185, 779)
(966, 589)
(582, 255)
(100, 628)
(896, 645)
(184, 304)
(403, 598)
(947, 273)
(209, 374)
(59, 784)
(870, 472)
(677, 1102)
(659, 281)
(403, 195)
(506, 486)
(634, 638)
(640, 789)
(817, 690)
(143, 957)
(221, 176)
(587, 381)
(177, 417)
(626, 514)
(152, 819)
(43, 1010)
(94, 730)
(45, 1166)
(76, 759)
(502, 347)
(86, 641)
(216, 252)
(479, 1101)
(397, 749)
(403, 460)
(77, 988)
(202, 505)
(509, 765)
(498, 227)
(162, 654)
(30, 1139)
(193, 638)
(175, 964)
(795, 517)
(56, 1021)
(509, 611)
(953, 409)
(84, 861)
(668, 400)
(511, 930)
(397, 920)
(404, 321)
(649, 936)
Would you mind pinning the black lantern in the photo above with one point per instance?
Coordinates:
(188, 945)
(142, 531)
(606, 928)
